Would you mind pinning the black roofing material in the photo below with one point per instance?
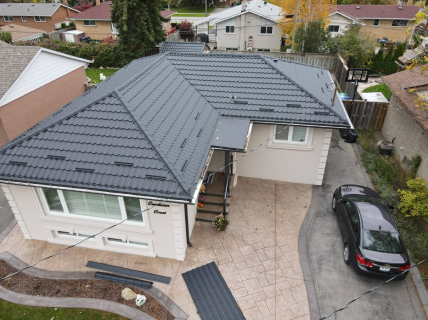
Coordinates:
(182, 47)
(211, 294)
(231, 133)
(129, 272)
(145, 111)
(119, 279)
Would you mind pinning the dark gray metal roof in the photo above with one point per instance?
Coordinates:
(211, 295)
(183, 47)
(230, 133)
(147, 129)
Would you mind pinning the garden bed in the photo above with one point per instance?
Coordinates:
(79, 288)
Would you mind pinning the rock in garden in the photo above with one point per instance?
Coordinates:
(128, 294)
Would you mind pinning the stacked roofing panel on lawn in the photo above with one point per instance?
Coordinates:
(147, 130)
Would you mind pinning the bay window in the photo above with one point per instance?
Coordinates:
(95, 205)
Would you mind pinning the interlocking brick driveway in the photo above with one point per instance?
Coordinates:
(257, 254)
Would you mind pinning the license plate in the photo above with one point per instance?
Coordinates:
(385, 269)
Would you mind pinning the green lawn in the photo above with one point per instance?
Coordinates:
(380, 88)
(94, 74)
(192, 10)
(11, 311)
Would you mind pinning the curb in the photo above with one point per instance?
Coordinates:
(6, 230)
(304, 261)
(104, 305)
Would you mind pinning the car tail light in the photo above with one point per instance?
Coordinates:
(363, 262)
(406, 267)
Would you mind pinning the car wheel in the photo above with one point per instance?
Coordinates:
(333, 204)
(346, 254)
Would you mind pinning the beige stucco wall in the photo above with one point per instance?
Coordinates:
(339, 20)
(385, 29)
(166, 232)
(240, 38)
(101, 30)
(410, 138)
(292, 165)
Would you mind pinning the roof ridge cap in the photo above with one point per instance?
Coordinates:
(303, 89)
(21, 138)
(162, 157)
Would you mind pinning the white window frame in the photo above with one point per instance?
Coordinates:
(281, 144)
(374, 22)
(90, 25)
(125, 244)
(144, 224)
(23, 19)
(70, 235)
(225, 30)
(266, 33)
(392, 23)
(8, 18)
(41, 18)
(334, 25)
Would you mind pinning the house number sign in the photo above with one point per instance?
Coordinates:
(158, 204)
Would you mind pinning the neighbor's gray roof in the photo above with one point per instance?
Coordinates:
(30, 9)
(183, 47)
(4, 44)
(14, 59)
(147, 130)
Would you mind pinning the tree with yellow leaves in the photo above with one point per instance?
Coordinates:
(309, 10)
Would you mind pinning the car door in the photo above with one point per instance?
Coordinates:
(341, 214)
(352, 223)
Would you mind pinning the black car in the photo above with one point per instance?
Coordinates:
(371, 241)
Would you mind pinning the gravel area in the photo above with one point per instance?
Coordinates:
(82, 288)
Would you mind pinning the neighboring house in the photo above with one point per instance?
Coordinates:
(339, 21)
(35, 82)
(250, 26)
(404, 121)
(184, 47)
(167, 14)
(147, 136)
(379, 21)
(96, 22)
(21, 33)
(409, 57)
(43, 16)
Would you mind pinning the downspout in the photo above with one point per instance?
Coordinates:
(187, 226)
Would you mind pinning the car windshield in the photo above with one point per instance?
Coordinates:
(363, 199)
(382, 241)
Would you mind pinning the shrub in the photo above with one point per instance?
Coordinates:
(220, 222)
(414, 200)
(6, 37)
(63, 26)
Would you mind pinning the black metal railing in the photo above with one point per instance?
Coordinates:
(226, 194)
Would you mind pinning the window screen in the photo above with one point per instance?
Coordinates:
(8, 19)
(24, 19)
(94, 205)
(40, 19)
(400, 23)
(299, 134)
(333, 28)
(376, 22)
(230, 29)
(281, 133)
(266, 30)
(89, 22)
(53, 201)
(132, 207)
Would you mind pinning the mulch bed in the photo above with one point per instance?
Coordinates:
(79, 288)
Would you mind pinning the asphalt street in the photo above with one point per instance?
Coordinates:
(335, 282)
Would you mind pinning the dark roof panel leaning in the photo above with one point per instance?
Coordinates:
(183, 47)
(147, 129)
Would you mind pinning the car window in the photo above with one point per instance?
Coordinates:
(353, 218)
(382, 241)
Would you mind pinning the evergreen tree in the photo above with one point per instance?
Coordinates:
(377, 62)
(139, 26)
(388, 60)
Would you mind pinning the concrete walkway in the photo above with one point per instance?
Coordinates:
(335, 282)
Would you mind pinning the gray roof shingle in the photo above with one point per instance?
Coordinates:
(183, 47)
(147, 129)
(14, 59)
(30, 9)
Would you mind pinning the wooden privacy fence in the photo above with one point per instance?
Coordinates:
(315, 59)
(366, 115)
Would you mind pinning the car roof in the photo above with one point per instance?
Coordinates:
(375, 214)
(356, 190)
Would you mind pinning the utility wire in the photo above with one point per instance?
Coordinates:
(371, 290)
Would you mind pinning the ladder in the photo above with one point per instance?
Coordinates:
(250, 43)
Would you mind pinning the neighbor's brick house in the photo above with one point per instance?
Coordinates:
(35, 83)
(44, 16)
(406, 122)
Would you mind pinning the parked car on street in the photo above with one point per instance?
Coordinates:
(371, 241)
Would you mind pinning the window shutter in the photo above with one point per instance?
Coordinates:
(299, 134)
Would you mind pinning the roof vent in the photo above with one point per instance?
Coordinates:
(123, 164)
(265, 2)
(17, 163)
(275, 60)
(293, 105)
(232, 97)
(33, 5)
(184, 165)
(197, 116)
(322, 89)
(184, 143)
(85, 170)
(240, 102)
(10, 26)
(8, 5)
(200, 131)
(357, 7)
(266, 109)
(400, 8)
(154, 177)
(322, 113)
(54, 157)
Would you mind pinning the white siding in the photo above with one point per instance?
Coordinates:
(339, 20)
(293, 165)
(43, 69)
